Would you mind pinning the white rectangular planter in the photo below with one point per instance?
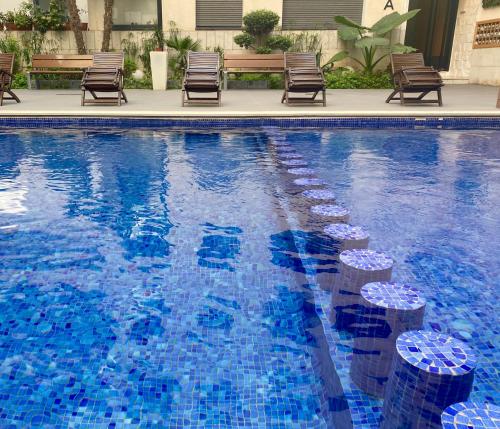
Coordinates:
(159, 68)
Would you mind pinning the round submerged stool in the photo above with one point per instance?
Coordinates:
(331, 212)
(290, 155)
(309, 181)
(349, 236)
(471, 415)
(387, 310)
(293, 162)
(430, 372)
(319, 195)
(357, 268)
(285, 149)
(301, 171)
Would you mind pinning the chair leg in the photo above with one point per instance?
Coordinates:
(284, 97)
(83, 98)
(402, 97)
(440, 98)
(324, 98)
(119, 98)
(124, 96)
(183, 96)
(219, 97)
(1, 97)
(14, 96)
(393, 93)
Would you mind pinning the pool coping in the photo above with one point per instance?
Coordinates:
(252, 121)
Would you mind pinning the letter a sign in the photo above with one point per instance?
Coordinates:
(389, 5)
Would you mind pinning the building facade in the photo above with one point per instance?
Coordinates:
(444, 30)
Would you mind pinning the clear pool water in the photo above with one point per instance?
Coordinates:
(168, 279)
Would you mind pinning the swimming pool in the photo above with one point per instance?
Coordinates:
(167, 278)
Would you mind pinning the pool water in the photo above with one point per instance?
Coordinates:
(169, 278)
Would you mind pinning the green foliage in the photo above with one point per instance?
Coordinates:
(347, 79)
(260, 23)
(10, 45)
(258, 27)
(30, 16)
(145, 83)
(278, 41)
(370, 39)
(52, 19)
(35, 42)
(490, 3)
(245, 40)
(129, 66)
(181, 45)
(130, 47)
(23, 17)
(20, 81)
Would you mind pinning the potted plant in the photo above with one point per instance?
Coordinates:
(158, 60)
(258, 35)
(23, 17)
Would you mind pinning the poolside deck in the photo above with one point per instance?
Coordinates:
(459, 100)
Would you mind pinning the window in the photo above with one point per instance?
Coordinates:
(319, 14)
(219, 14)
(136, 15)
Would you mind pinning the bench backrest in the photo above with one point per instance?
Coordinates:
(109, 59)
(61, 61)
(7, 64)
(257, 62)
(399, 61)
(203, 60)
(300, 59)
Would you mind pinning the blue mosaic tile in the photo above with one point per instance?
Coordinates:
(301, 171)
(342, 231)
(367, 260)
(392, 295)
(309, 182)
(293, 162)
(330, 210)
(436, 353)
(290, 156)
(471, 415)
(319, 194)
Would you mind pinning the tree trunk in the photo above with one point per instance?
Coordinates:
(108, 24)
(75, 24)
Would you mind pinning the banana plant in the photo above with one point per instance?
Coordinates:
(370, 39)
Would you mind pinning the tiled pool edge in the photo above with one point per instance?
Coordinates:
(372, 122)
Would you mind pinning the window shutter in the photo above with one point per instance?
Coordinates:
(219, 14)
(319, 14)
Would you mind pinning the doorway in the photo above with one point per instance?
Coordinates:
(432, 30)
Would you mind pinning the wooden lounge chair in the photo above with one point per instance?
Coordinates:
(6, 71)
(202, 75)
(105, 75)
(411, 75)
(302, 75)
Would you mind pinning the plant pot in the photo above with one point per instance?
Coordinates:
(159, 67)
(10, 26)
(247, 84)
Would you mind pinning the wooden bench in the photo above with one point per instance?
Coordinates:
(59, 64)
(252, 63)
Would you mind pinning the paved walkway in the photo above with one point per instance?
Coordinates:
(459, 100)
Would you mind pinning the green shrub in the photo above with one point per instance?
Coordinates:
(52, 19)
(20, 81)
(145, 83)
(129, 67)
(490, 3)
(258, 27)
(10, 45)
(347, 79)
(23, 17)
